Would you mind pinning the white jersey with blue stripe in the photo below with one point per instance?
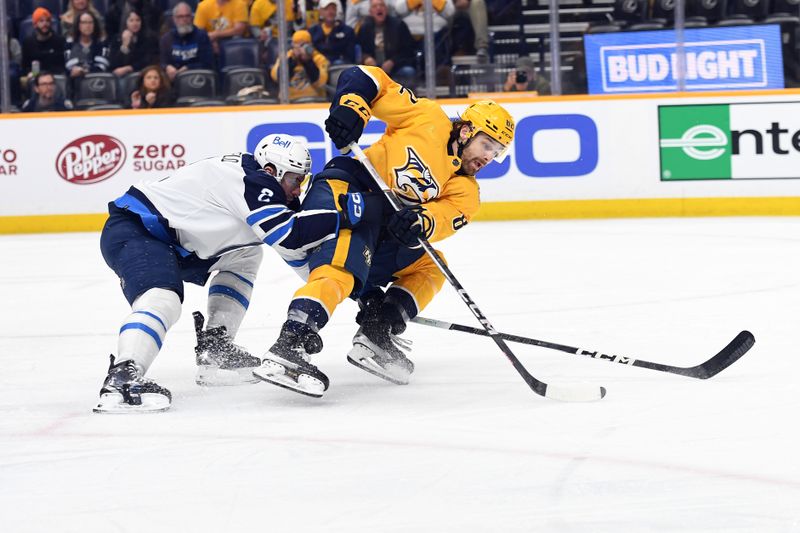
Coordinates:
(227, 202)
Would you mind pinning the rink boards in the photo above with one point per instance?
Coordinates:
(708, 154)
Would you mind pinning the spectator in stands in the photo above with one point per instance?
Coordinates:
(70, 17)
(308, 68)
(135, 48)
(14, 67)
(264, 14)
(386, 42)
(357, 11)
(185, 47)
(43, 45)
(46, 96)
(413, 14)
(89, 52)
(222, 19)
(332, 37)
(118, 10)
(152, 90)
(471, 15)
(525, 78)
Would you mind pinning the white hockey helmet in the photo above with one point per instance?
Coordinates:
(285, 153)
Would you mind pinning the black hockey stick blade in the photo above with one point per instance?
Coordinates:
(735, 349)
(725, 358)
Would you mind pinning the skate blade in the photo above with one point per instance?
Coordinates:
(304, 384)
(151, 403)
(361, 356)
(214, 376)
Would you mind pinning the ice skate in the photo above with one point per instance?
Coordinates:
(125, 390)
(287, 364)
(376, 349)
(220, 362)
(381, 355)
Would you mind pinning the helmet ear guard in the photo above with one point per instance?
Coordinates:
(285, 153)
(490, 118)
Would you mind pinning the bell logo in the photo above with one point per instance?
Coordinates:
(90, 159)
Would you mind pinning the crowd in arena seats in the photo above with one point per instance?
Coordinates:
(85, 54)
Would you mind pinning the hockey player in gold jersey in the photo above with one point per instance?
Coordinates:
(430, 162)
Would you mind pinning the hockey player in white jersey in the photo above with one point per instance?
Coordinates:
(210, 216)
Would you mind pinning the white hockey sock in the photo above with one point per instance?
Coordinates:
(143, 331)
(228, 300)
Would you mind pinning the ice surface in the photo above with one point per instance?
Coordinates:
(466, 446)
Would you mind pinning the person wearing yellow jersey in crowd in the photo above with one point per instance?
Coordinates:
(430, 162)
(263, 15)
(308, 68)
(222, 19)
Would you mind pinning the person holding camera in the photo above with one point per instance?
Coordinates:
(308, 69)
(525, 78)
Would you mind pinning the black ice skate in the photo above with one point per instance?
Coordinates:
(377, 350)
(125, 390)
(287, 364)
(220, 362)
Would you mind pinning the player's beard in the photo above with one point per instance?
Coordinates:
(472, 166)
(184, 29)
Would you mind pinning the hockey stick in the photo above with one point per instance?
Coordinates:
(725, 358)
(570, 393)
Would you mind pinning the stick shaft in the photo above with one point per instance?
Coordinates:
(538, 386)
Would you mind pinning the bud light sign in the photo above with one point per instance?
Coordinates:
(739, 57)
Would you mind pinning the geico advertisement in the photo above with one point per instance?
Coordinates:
(545, 146)
(562, 150)
(87, 160)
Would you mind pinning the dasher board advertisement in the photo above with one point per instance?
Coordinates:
(736, 57)
(756, 140)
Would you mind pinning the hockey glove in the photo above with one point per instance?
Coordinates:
(352, 205)
(406, 226)
(346, 121)
(361, 208)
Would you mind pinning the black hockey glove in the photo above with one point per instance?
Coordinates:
(406, 226)
(344, 126)
(361, 208)
(346, 122)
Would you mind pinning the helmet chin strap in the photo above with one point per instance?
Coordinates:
(461, 145)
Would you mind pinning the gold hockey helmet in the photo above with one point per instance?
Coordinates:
(492, 119)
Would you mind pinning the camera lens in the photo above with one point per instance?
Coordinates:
(522, 76)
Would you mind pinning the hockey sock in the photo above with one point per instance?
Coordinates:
(325, 289)
(143, 331)
(228, 300)
(421, 280)
(399, 306)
